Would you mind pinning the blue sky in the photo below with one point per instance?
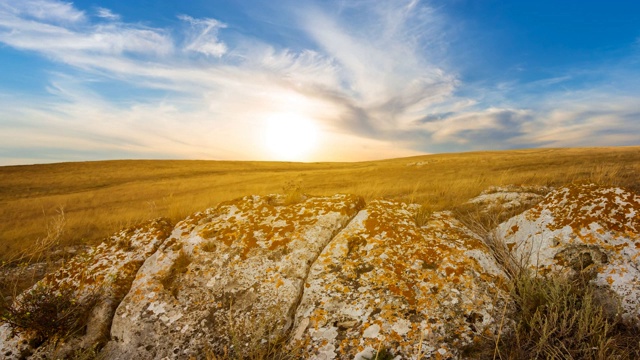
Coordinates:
(331, 80)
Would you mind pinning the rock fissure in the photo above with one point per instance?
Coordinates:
(248, 261)
(347, 312)
(90, 287)
(334, 278)
(294, 309)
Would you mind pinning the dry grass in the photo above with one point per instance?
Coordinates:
(101, 197)
(15, 279)
(257, 339)
(555, 317)
(559, 318)
(47, 311)
(179, 267)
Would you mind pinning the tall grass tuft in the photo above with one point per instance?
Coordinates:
(422, 215)
(555, 317)
(559, 318)
(15, 273)
(293, 192)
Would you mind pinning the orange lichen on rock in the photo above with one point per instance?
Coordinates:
(242, 274)
(583, 229)
(578, 206)
(402, 280)
(97, 281)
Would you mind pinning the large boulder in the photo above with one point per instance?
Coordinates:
(588, 231)
(385, 283)
(228, 281)
(70, 310)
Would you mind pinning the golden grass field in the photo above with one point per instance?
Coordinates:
(98, 198)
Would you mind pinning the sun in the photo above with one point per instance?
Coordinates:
(290, 136)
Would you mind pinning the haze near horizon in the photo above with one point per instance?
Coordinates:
(313, 80)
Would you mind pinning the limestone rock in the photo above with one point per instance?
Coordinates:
(383, 281)
(589, 230)
(228, 280)
(94, 282)
(14, 344)
(510, 197)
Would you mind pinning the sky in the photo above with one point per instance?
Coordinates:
(304, 80)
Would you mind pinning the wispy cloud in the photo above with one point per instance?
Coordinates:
(376, 79)
(203, 36)
(71, 43)
(107, 14)
(42, 10)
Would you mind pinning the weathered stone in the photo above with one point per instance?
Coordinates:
(228, 280)
(95, 281)
(585, 230)
(14, 344)
(510, 197)
(383, 281)
(341, 281)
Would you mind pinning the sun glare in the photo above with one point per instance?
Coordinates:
(290, 136)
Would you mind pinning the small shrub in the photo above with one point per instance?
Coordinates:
(49, 312)
(124, 243)
(381, 354)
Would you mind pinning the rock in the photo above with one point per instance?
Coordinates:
(90, 286)
(510, 197)
(228, 280)
(383, 281)
(14, 344)
(584, 230)
(418, 163)
(327, 278)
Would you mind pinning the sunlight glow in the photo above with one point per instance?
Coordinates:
(290, 136)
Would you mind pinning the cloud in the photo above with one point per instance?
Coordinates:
(76, 44)
(490, 125)
(601, 119)
(387, 81)
(257, 81)
(373, 75)
(203, 36)
(43, 10)
(107, 14)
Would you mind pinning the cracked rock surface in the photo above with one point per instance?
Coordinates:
(385, 280)
(331, 278)
(228, 280)
(586, 230)
(95, 281)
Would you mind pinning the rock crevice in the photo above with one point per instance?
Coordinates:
(247, 263)
(328, 278)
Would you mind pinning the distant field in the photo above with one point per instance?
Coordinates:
(99, 198)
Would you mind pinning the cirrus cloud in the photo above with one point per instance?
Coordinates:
(374, 75)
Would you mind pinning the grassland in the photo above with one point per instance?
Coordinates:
(99, 198)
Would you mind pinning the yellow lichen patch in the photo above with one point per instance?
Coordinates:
(253, 222)
(584, 230)
(389, 279)
(578, 206)
(102, 276)
(248, 259)
(110, 258)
